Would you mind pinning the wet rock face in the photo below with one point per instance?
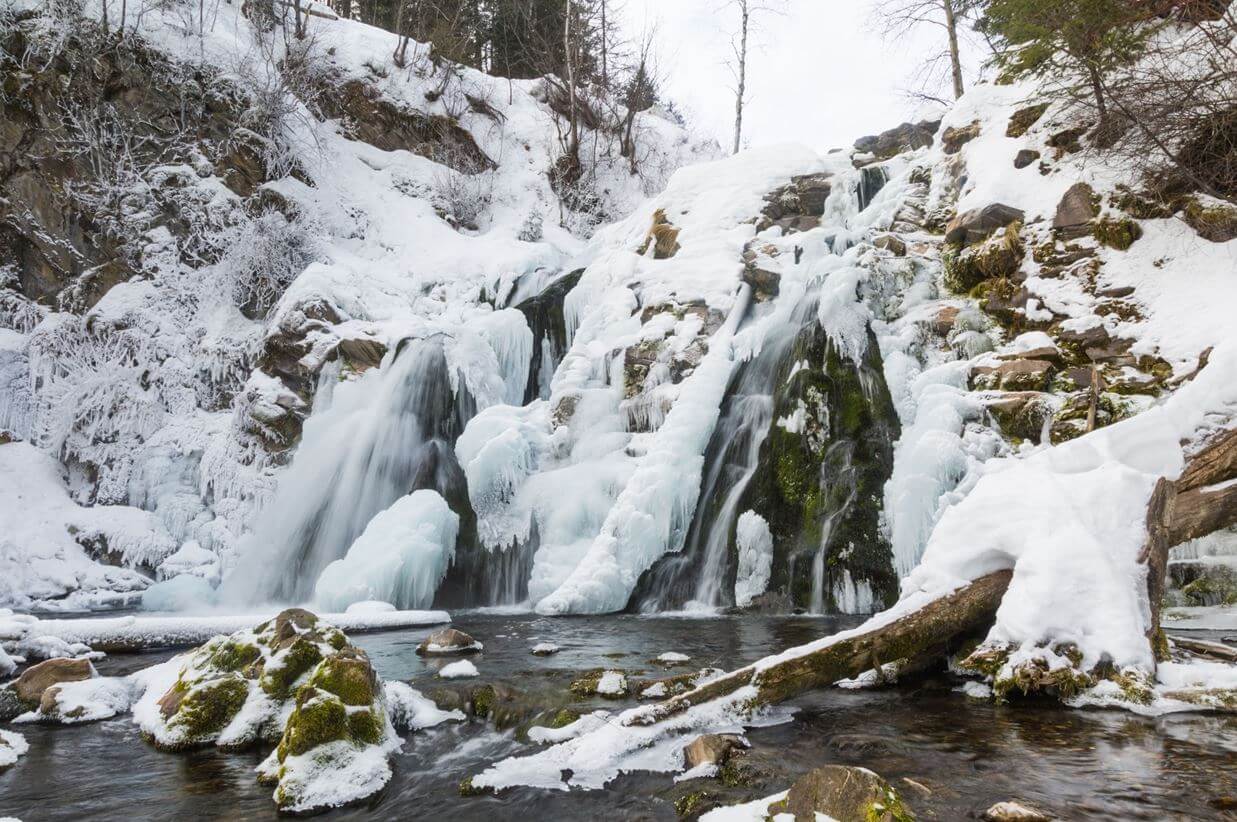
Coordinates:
(821, 472)
(843, 793)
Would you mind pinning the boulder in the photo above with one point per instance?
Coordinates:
(813, 190)
(943, 320)
(1016, 375)
(361, 353)
(1024, 118)
(1078, 207)
(891, 243)
(906, 137)
(1022, 414)
(36, 679)
(1214, 221)
(711, 749)
(843, 793)
(448, 641)
(11, 704)
(1025, 157)
(1015, 812)
(765, 284)
(978, 224)
(954, 138)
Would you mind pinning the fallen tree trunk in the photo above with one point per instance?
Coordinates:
(1199, 647)
(969, 608)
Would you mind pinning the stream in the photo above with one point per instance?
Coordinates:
(1078, 764)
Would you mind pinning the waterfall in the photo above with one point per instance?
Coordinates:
(377, 439)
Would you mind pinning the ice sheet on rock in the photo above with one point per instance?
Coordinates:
(13, 746)
(401, 557)
(410, 711)
(461, 669)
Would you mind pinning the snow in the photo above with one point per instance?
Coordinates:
(179, 631)
(370, 606)
(88, 700)
(755, 545)
(180, 593)
(12, 747)
(333, 775)
(612, 683)
(410, 711)
(401, 557)
(673, 658)
(545, 649)
(460, 669)
(754, 811)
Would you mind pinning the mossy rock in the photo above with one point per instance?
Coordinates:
(318, 718)
(282, 672)
(1214, 221)
(349, 676)
(1024, 118)
(692, 805)
(843, 792)
(365, 725)
(1141, 206)
(232, 655)
(206, 709)
(1116, 232)
(1218, 586)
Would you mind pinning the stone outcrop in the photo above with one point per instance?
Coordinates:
(36, 679)
(978, 224)
(711, 749)
(955, 137)
(844, 793)
(448, 641)
(906, 137)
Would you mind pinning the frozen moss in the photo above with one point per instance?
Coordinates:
(206, 709)
(283, 671)
(1116, 232)
(319, 717)
(348, 675)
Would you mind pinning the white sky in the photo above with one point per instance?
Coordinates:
(819, 76)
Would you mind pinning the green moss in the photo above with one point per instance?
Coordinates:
(1116, 232)
(282, 673)
(890, 808)
(348, 676)
(961, 274)
(468, 789)
(692, 804)
(208, 707)
(230, 655)
(483, 701)
(365, 726)
(1023, 119)
(319, 717)
(562, 718)
(1216, 222)
(1216, 587)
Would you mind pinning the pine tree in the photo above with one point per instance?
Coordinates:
(1075, 40)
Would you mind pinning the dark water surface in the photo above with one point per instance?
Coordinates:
(969, 754)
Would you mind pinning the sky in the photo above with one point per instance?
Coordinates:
(819, 74)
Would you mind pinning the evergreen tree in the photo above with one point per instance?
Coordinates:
(1075, 40)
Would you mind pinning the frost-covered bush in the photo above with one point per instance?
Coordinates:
(462, 199)
(533, 227)
(269, 253)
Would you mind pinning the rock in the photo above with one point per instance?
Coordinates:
(36, 679)
(544, 649)
(1024, 118)
(448, 641)
(1015, 812)
(711, 749)
(1078, 207)
(1117, 232)
(603, 683)
(1066, 142)
(998, 257)
(11, 705)
(1022, 414)
(1048, 353)
(906, 137)
(1214, 221)
(1025, 157)
(765, 284)
(813, 191)
(953, 139)
(844, 793)
(891, 243)
(361, 353)
(1116, 292)
(978, 224)
(1017, 375)
(943, 320)
(662, 235)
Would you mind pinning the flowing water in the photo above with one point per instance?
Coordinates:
(1078, 764)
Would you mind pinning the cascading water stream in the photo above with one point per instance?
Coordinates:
(380, 437)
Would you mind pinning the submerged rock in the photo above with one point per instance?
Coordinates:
(843, 793)
(448, 641)
(711, 749)
(1015, 812)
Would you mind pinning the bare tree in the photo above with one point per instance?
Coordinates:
(740, 44)
(897, 19)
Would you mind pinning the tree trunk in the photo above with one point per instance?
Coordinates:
(1097, 88)
(742, 89)
(955, 62)
(969, 608)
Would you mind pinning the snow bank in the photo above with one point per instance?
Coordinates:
(410, 711)
(12, 747)
(401, 557)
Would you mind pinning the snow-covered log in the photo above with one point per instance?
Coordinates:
(849, 654)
